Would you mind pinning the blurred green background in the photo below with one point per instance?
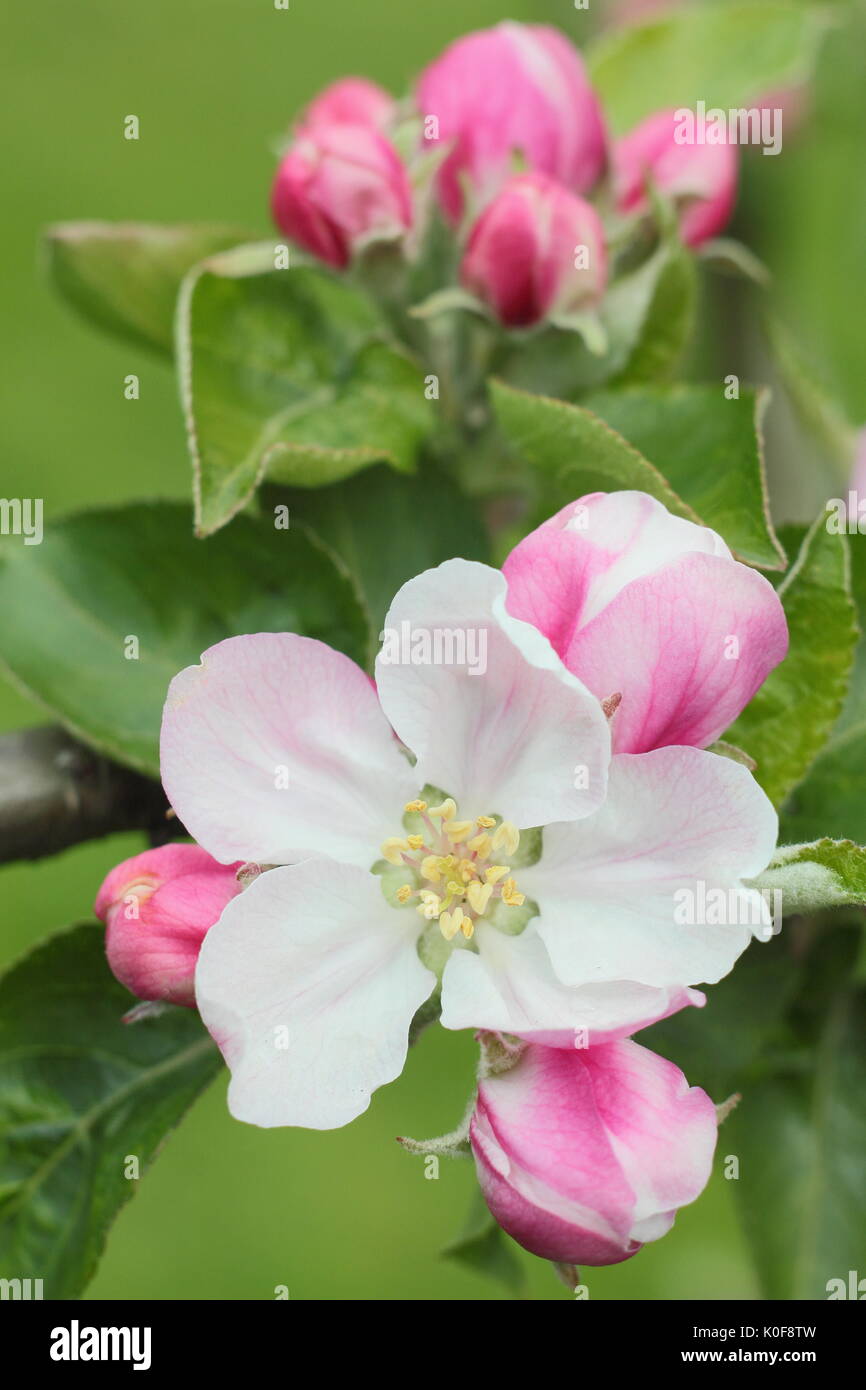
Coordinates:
(228, 1211)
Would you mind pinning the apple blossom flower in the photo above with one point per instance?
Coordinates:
(515, 88)
(700, 178)
(350, 101)
(394, 872)
(639, 601)
(157, 908)
(536, 251)
(339, 185)
(585, 1155)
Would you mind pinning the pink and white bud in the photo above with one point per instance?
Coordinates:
(700, 178)
(157, 908)
(339, 185)
(350, 101)
(585, 1155)
(514, 89)
(535, 251)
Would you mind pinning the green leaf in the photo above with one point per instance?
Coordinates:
(80, 1094)
(483, 1246)
(282, 377)
(830, 799)
(694, 451)
(790, 718)
(726, 55)
(811, 877)
(69, 606)
(125, 276)
(387, 528)
(800, 1135)
(717, 1046)
(710, 450)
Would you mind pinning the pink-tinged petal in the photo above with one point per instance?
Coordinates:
(615, 894)
(686, 647)
(350, 101)
(308, 983)
(510, 987)
(503, 728)
(568, 569)
(583, 1155)
(275, 748)
(662, 1131)
(646, 604)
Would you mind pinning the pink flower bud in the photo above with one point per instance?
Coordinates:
(157, 908)
(700, 178)
(536, 250)
(351, 101)
(584, 1155)
(338, 185)
(519, 89)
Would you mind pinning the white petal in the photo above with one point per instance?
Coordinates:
(510, 987)
(676, 821)
(507, 730)
(276, 748)
(308, 983)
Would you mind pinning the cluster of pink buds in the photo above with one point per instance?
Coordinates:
(518, 142)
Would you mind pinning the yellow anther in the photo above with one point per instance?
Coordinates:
(510, 894)
(479, 895)
(457, 830)
(495, 872)
(447, 810)
(393, 849)
(430, 868)
(414, 841)
(467, 870)
(480, 845)
(450, 861)
(449, 923)
(506, 836)
(467, 926)
(415, 806)
(455, 888)
(404, 893)
(485, 822)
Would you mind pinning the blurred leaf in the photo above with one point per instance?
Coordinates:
(125, 276)
(726, 55)
(710, 450)
(69, 606)
(387, 528)
(810, 877)
(80, 1094)
(281, 377)
(800, 1135)
(484, 1247)
(687, 446)
(814, 406)
(646, 318)
(789, 720)
(717, 1046)
(830, 799)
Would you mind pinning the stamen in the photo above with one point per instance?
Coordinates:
(446, 810)
(480, 845)
(457, 830)
(485, 822)
(467, 926)
(496, 872)
(415, 806)
(506, 836)
(431, 868)
(415, 841)
(393, 848)
(404, 893)
(450, 923)
(479, 895)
